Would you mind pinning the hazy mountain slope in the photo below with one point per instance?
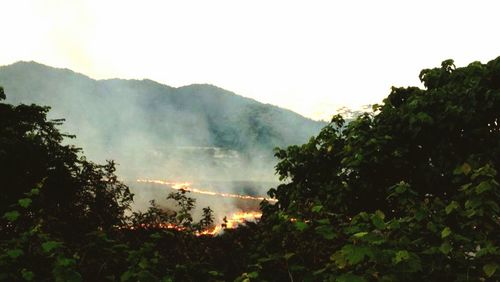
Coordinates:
(195, 131)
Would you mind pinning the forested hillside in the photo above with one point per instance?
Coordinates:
(148, 127)
(408, 192)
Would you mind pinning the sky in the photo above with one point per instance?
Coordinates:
(312, 57)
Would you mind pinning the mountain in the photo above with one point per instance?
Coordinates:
(153, 130)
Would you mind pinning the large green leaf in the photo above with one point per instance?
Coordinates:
(490, 269)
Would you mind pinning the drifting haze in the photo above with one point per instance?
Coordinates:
(197, 133)
(309, 56)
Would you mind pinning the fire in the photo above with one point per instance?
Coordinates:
(188, 187)
(230, 223)
(240, 217)
(212, 231)
(158, 225)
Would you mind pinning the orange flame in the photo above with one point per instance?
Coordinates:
(212, 231)
(187, 186)
(158, 225)
(240, 217)
(231, 222)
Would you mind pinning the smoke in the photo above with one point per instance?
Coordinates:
(224, 203)
(198, 133)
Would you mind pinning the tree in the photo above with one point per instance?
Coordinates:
(409, 190)
(207, 219)
(77, 196)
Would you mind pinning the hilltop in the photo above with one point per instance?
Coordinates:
(149, 127)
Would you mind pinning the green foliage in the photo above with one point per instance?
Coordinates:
(32, 253)
(11, 215)
(25, 202)
(409, 192)
(73, 191)
(490, 269)
(301, 226)
(186, 205)
(207, 219)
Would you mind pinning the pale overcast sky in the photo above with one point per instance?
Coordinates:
(308, 56)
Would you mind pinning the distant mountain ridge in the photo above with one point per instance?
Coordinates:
(127, 119)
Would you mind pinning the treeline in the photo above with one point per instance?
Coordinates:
(407, 192)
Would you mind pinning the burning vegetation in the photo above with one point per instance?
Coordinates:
(407, 193)
(188, 187)
(231, 222)
(180, 218)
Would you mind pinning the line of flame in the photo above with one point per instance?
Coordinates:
(231, 222)
(187, 186)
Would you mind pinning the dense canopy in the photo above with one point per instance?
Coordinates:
(407, 192)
